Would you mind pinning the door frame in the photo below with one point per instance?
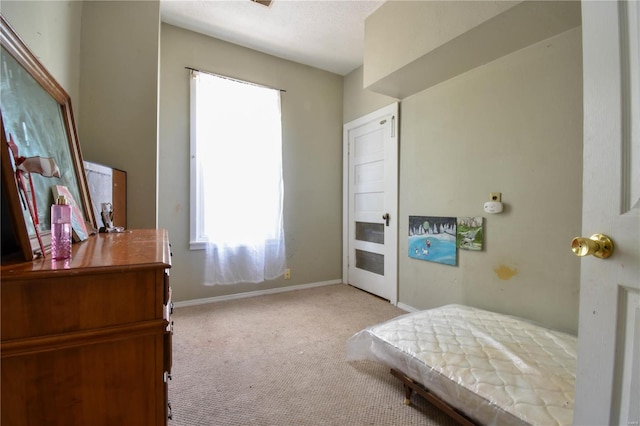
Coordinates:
(392, 109)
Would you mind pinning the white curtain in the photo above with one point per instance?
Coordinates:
(239, 150)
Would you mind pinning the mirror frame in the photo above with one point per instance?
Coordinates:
(28, 242)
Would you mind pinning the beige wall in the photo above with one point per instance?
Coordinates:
(358, 102)
(312, 150)
(411, 46)
(428, 24)
(51, 29)
(118, 123)
(513, 126)
(105, 54)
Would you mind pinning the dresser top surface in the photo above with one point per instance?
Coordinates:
(129, 249)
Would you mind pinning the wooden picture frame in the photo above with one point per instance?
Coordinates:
(36, 114)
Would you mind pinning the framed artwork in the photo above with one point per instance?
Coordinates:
(470, 233)
(40, 147)
(433, 238)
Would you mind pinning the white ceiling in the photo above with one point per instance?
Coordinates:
(326, 34)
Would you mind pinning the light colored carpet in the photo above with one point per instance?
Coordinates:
(280, 360)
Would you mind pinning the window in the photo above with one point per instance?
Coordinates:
(236, 179)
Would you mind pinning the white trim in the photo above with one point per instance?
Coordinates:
(406, 307)
(345, 203)
(194, 199)
(197, 245)
(206, 300)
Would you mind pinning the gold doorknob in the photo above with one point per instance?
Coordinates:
(598, 245)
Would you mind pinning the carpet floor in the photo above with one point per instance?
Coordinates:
(280, 360)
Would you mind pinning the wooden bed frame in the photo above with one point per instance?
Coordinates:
(409, 386)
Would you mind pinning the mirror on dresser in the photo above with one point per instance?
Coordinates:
(40, 147)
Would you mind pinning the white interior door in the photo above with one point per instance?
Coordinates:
(608, 375)
(371, 203)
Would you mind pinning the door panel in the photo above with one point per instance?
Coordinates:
(371, 232)
(369, 173)
(371, 179)
(608, 375)
(368, 204)
(370, 262)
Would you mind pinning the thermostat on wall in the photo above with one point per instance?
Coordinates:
(494, 205)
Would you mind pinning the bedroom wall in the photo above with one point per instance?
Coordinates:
(118, 124)
(51, 29)
(312, 149)
(428, 25)
(105, 55)
(358, 102)
(513, 126)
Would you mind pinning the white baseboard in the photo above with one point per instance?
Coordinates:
(206, 300)
(406, 307)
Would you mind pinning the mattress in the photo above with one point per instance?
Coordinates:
(496, 369)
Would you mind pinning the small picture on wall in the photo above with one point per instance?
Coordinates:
(433, 238)
(470, 233)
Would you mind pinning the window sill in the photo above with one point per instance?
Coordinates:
(197, 245)
(202, 245)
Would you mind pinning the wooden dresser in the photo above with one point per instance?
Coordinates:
(88, 341)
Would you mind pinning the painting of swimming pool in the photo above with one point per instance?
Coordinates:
(433, 238)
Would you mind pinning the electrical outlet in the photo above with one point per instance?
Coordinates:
(495, 196)
(287, 274)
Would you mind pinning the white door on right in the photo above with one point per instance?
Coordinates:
(608, 375)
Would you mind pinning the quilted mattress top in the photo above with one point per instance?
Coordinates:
(522, 368)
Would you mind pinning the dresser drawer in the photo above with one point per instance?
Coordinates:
(76, 302)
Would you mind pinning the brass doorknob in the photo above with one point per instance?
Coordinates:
(598, 245)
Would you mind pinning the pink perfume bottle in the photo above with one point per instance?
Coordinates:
(61, 229)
